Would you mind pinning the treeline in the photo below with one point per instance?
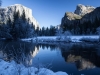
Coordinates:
(46, 31)
(85, 28)
(76, 28)
(19, 27)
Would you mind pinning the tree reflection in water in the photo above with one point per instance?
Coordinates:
(19, 51)
(83, 55)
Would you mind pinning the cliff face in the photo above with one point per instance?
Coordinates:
(8, 12)
(82, 9)
(69, 18)
(81, 12)
(85, 20)
(16, 22)
(92, 15)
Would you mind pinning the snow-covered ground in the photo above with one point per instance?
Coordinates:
(54, 38)
(12, 68)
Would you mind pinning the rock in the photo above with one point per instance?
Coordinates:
(82, 13)
(91, 16)
(8, 12)
(85, 20)
(82, 9)
(70, 17)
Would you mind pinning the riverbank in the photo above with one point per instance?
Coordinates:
(12, 68)
(52, 39)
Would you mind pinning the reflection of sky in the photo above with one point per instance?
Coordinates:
(59, 60)
(52, 59)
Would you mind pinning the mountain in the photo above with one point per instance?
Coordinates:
(82, 9)
(95, 14)
(79, 13)
(84, 20)
(16, 22)
(8, 12)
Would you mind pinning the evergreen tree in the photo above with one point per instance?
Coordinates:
(98, 31)
(4, 31)
(65, 27)
(37, 31)
(52, 30)
(43, 31)
(47, 33)
(40, 32)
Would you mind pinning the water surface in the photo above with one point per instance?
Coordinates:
(72, 58)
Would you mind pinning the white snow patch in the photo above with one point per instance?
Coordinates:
(12, 68)
(8, 12)
(54, 38)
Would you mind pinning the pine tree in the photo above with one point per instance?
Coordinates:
(43, 31)
(15, 26)
(98, 31)
(37, 31)
(47, 33)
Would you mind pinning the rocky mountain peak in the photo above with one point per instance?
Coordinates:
(83, 9)
(85, 20)
(8, 12)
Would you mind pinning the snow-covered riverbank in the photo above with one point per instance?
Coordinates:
(12, 68)
(54, 38)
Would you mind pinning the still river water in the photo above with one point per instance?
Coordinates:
(72, 58)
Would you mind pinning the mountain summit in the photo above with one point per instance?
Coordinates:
(84, 20)
(83, 9)
(16, 22)
(8, 12)
(78, 14)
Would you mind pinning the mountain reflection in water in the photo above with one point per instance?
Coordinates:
(85, 56)
(73, 58)
(19, 51)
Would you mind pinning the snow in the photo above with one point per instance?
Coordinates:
(8, 12)
(12, 68)
(77, 38)
(54, 38)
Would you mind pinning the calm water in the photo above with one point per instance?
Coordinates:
(73, 58)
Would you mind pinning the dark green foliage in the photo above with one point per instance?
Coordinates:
(50, 31)
(37, 31)
(85, 28)
(18, 28)
(45, 31)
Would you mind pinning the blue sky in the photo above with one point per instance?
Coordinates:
(50, 12)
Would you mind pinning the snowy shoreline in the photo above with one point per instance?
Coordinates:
(12, 68)
(44, 39)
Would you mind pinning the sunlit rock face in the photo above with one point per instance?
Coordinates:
(91, 16)
(82, 9)
(82, 13)
(69, 18)
(8, 12)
